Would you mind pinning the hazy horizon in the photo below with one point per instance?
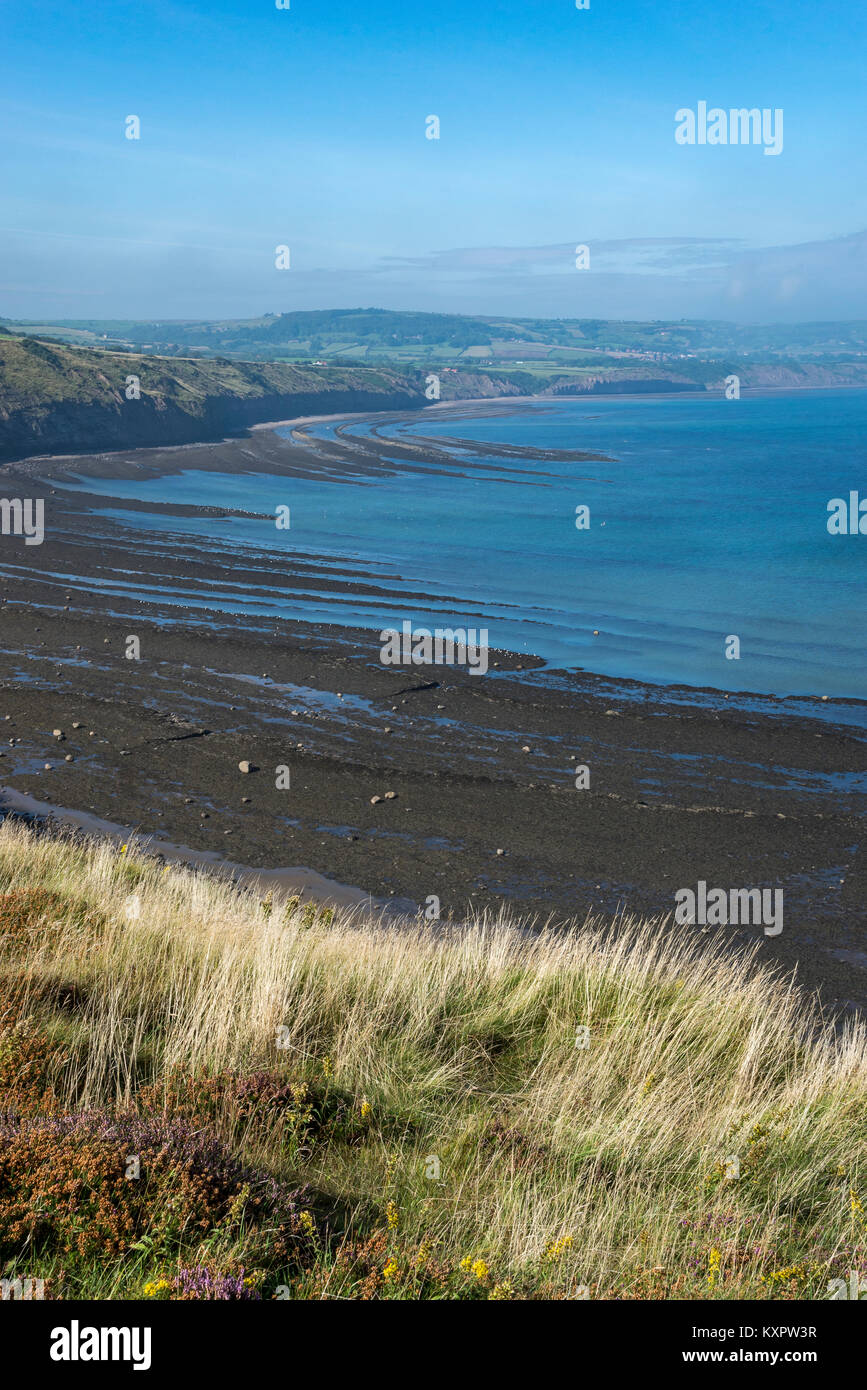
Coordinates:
(34, 320)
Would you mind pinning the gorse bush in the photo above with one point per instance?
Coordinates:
(323, 1105)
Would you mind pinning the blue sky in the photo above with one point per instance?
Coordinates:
(306, 127)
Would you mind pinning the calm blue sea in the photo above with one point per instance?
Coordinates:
(709, 521)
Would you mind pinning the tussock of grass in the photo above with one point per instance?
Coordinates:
(408, 1111)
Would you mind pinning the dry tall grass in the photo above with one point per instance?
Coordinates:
(615, 1109)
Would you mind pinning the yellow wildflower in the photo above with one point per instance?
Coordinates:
(480, 1269)
(792, 1273)
(391, 1271)
(392, 1216)
(365, 1109)
(557, 1248)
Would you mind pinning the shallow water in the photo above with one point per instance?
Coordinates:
(709, 521)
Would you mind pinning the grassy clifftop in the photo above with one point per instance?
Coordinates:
(204, 1095)
(55, 398)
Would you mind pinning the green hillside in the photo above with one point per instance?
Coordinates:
(54, 397)
(321, 1109)
(402, 336)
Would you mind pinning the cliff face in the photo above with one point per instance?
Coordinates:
(96, 427)
(55, 399)
(610, 385)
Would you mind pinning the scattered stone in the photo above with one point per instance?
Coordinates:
(375, 800)
(391, 796)
(245, 800)
(245, 766)
(386, 731)
(47, 767)
(501, 851)
(204, 815)
(77, 724)
(69, 758)
(57, 733)
(526, 748)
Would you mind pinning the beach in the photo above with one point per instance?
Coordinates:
(479, 802)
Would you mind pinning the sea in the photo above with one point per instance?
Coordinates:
(706, 521)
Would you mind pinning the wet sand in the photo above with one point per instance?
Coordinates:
(684, 785)
(305, 884)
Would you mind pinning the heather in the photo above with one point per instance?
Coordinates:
(208, 1096)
